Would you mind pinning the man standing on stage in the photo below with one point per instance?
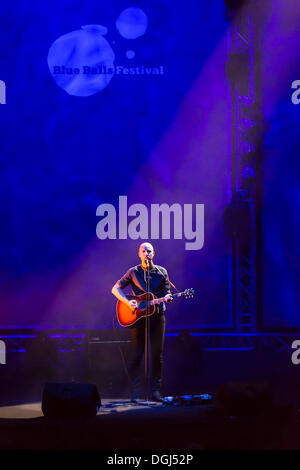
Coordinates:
(159, 285)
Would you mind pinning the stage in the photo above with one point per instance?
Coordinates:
(194, 364)
(150, 149)
(120, 425)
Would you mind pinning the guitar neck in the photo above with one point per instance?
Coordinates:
(162, 299)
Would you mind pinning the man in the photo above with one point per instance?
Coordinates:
(159, 285)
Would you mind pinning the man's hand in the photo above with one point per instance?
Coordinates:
(169, 298)
(132, 304)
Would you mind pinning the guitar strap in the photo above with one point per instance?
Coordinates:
(173, 285)
(167, 279)
(161, 274)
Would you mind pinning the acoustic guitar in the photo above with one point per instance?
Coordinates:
(127, 317)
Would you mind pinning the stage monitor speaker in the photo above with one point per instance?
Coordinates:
(244, 398)
(68, 400)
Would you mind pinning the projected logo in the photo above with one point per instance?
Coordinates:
(154, 224)
(2, 352)
(296, 94)
(82, 62)
(2, 92)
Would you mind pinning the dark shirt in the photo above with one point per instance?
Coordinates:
(158, 282)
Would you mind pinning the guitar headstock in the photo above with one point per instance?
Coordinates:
(188, 293)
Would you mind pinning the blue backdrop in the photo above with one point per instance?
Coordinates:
(281, 166)
(152, 125)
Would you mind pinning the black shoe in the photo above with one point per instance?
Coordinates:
(156, 396)
(135, 389)
(135, 396)
(135, 400)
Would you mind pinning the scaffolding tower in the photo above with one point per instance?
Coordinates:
(243, 214)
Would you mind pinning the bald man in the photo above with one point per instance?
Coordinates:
(159, 285)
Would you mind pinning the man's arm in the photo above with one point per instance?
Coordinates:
(166, 286)
(118, 292)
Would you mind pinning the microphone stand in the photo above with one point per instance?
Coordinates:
(147, 376)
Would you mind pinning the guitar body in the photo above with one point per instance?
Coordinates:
(127, 317)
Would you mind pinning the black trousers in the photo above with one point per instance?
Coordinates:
(157, 326)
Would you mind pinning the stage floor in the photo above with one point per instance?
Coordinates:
(120, 425)
(108, 406)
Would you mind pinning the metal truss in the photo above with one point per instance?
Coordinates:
(77, 343)
(18, 342)
(246, 341)
(244, 113)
